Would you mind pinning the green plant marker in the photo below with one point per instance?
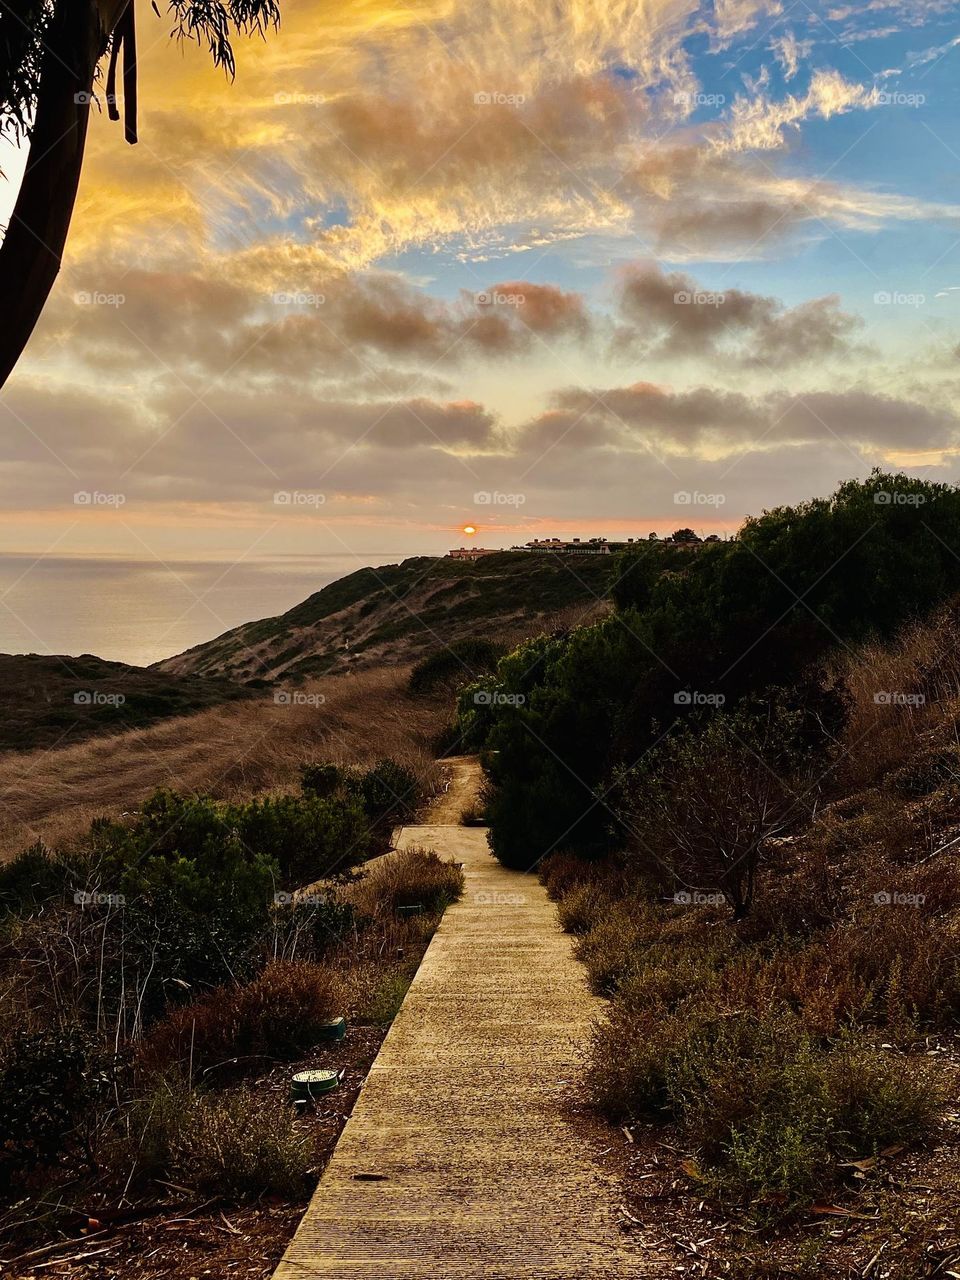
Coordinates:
(335, 1029)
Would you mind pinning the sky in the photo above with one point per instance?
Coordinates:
(590, 267)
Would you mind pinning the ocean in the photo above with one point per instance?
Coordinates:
(140, 611)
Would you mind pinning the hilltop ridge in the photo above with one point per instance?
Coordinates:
(399, 612)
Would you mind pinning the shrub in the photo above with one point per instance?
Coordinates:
(277, 1015)
(50, 1084)
(309, 837)
(391, 793)
(454, 665)
(323, 779)
(238, 1144)
(31, 878)
(407, 878)
(312, 927)
(835, 572)
(584, 906)
(772, 1111)
(877, 1098)
(564, 871)
(706, 804)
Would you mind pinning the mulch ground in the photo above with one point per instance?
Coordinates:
(175, 1234)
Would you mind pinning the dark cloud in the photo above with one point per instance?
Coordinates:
(714, 421)
(673, 314)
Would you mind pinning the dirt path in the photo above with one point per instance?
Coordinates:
(458, 1162)
(463, 788)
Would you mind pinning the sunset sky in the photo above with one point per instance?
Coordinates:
(716, 248)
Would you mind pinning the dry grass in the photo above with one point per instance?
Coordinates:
(279, 1014)
(230, 752)
(905, 700)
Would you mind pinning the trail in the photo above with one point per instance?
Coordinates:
(458, 1161)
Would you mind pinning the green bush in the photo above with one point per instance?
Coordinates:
(323, 779)
(795, 583)
(32, 878)
(391, 793)
(455, 664)
(51, 1082)
(772, 1112)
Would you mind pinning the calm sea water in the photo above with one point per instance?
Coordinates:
(138, 612)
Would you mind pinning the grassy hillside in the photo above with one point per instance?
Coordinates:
(57, 701)
(230, 752)
(399, 612)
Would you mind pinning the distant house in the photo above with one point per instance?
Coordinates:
(575, 546)
(472, 553)
(685, 538)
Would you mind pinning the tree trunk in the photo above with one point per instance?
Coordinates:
(32, 250)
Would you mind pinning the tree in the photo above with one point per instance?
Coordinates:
(50, 53)
(706, 809)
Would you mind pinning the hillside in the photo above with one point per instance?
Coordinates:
(57, 701)
(398, 612)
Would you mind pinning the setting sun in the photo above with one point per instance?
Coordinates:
(469, 529)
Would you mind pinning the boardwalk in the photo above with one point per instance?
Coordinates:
(457, 1161)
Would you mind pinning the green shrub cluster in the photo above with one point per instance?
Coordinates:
(455, 664)
(388, 793)
(52, 1084)
(728, 621)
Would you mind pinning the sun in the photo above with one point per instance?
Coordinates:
(469, 529)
